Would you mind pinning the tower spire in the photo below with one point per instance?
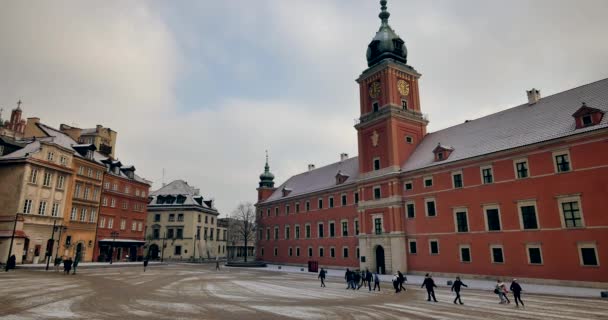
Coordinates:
(266, 178)
(384, 14)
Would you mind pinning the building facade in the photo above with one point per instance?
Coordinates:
(122, 219)
(516, 193)
(104, 139)
(182, 225)
(15, 127)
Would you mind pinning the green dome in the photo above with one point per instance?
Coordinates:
(267, 178)
(386, 44)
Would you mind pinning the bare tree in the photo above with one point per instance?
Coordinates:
(242, 224)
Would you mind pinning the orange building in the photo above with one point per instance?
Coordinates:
(516, 193)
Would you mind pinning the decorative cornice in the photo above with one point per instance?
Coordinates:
(381, 203)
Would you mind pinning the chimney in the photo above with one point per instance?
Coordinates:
(311, 167)
(533, 96)
(343, 156)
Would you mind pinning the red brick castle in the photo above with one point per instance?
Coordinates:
(522, 192)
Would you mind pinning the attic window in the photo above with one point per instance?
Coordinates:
(181, 199)
(442, 152)
(286, 192)
(587, 116)
(440, 156)
(341, 177)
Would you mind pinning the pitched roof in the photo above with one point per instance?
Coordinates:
(179, 188)
(549, 118)
(318, 179)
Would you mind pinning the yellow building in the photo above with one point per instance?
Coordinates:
(103, 138)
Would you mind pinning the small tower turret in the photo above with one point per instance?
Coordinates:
(266, 187)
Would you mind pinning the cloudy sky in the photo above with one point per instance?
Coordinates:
(202, 88)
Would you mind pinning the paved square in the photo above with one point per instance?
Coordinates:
(198, 292)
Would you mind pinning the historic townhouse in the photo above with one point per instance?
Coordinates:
(516, 193)
(122, 220)
(182, 224)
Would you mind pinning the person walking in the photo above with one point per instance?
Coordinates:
(501, 291)
(516, 288)
(75, 263)
(322, 277)
(217, 265)
(347, 278)
(402, 279)
(368, 279)
(429, 283)
(67, 265)
(396, 283)
(376, 281)
(57, 263)
(356, 279)
(145, 263)
(11, 263)
(362, 279)
(456, 288)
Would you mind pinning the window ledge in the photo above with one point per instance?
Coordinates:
(467, 262)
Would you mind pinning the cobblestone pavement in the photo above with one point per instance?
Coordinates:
(199, 292)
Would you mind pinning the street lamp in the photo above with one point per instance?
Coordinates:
(10, 248)
(114, 234)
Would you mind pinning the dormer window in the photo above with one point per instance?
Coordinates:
(442, 152)
(341, 177)
(586, 116)
(375, 106)
(286, 192)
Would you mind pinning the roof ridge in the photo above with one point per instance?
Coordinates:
(327, 165)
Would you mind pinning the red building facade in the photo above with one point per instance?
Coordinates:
(516, 193)
(122, 219)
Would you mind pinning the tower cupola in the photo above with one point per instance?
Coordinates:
(267, 178)
(386, 43)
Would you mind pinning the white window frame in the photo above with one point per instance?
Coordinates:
(60, 182)
(297, 232)
(412, 202)
(55, 209)
(409, 248)
(570, 198)
(381, 217)
(343, 196)
(320, 204)
(485, 207)
(520, 160)
(559, 153)
(310, 251)
(113, 203)
(102, 222)
(483, 181)
(73, 213)
(411, 138)
(47, 179)
(93, 215)
(110, 223)
(374, 192)
(426, 208)
(526, 203)
(492, 246)
(587, 245)
(411, 183)
(430, 249)
(348, 252)
(533, 246)
(319, 252)
(33, 176)
(374, 164)
(83, 215)
(465, 246)
(461, 179)
(308, 236)
(331, 203)
(104, 201)
(285, 228)
(42, 208)
(466, 212)
(342, 227)
(123, 224)
(27, 206)
(424, 179)
(332, 252)
(329, 223)
(50, 156)
(324, 235)
(133, 225)
(63, 160)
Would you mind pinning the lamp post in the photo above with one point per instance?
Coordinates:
(114, 234)
(49, 250)
(162, 252)
(10, 248)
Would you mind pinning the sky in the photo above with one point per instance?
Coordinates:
(202, 88)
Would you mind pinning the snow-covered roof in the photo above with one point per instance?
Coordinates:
(179, 193)
(549, 118)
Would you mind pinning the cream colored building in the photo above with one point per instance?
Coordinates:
(104, 139)
(182, 225)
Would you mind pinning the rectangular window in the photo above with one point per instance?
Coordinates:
(73, 214)
(90, 172)
(497, 256)
(157, 217)
(86, 193)
(276, 233)
(34, 176)
(375, 106)
(60, 182)
(63, 160)
(331, 202)
(307, 206)
(534, 254)
(48, 177)
(321, 252)
(290, 251)
(345, 228)
(408, 186)
(178, 250)
(287, 233)
(83, 214)
(50, 156)
(170, 234)
(133, 226)
(521, 168)
(413, 247)
(493, 219)
(113, 203)
(332, 252)
(411, 210)
(310, 252)
(267, 234)
(180, 217)
(378, 225)
(377, 193)
(588, 254)
(462, 225)
(123, 224)
(358, 253)
(465, 254)
(428, 182)
(571, 213)
(104, 201)
(356, 197)
(171, 217)
(180, 233)
(287, 209)
(343, 199)
(42, 208)
(307, 231)
(320, 204)
(356, 227)
(93, 215)
(376, 163)
(431, 211)
(320, 235)
(332, 230)
(562, 162)
(528, 217)
(487, 176)
(110, 223)
(276, 211)
(404, 104)
(297, 232)
(344, 252)
(434, 247)
(81, 170)
(297, 207)
(55, 210)
(297, 252)
(106, 185)
(77, 191)
(102, 222)
(457, 180)
(27, 208)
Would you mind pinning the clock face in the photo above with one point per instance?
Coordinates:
(374, 90)
(403, 87)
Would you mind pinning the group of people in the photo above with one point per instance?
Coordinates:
(356, 279)
(68, 264)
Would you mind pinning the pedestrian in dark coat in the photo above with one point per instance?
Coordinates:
(396, 283)
(75, 263)
(145, 263)
(376, 281)
(402, 279)
(368, 279)
(456, 288)
(516, 288)
(356, 280)
(348, 278)
(12, 262)
(67, 265)
(362, 279)
(322, 277)
(429, 283)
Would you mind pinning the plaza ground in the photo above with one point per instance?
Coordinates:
(182, 291)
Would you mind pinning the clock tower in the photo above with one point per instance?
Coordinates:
(389, 129)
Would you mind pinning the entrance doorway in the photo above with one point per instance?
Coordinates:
(133, 254)
(78, 255)
(153, 251)
(380, 268)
